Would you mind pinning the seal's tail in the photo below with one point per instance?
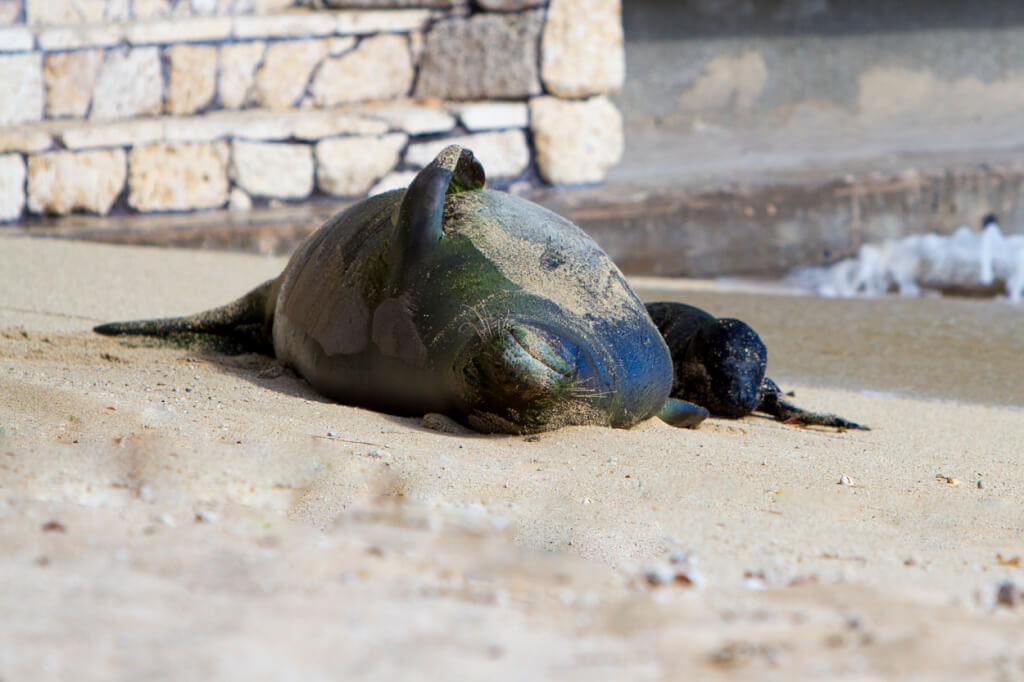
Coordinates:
(247, 320)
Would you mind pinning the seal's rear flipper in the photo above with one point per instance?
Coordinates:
(773, 405)
(681, 413)
(246, 321)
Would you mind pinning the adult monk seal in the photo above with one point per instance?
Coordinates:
(447, 297)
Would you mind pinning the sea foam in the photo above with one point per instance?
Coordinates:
(968, 262)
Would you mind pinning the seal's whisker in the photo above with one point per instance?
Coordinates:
(480, 325)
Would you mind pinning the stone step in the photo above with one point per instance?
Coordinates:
(761, 229)
(189, 162)
(53, 26)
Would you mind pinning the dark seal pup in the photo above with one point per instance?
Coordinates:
(720, 364)
(450, 298)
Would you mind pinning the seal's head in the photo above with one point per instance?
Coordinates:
(726, 361)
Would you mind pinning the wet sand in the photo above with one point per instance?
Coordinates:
(956, 349)
(175, 514)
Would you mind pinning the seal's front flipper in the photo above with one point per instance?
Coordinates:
(773, 404)
(681, 413)
(246, 321)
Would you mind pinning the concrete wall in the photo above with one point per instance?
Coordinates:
(715, 87)
(765, 134)
(179, 105)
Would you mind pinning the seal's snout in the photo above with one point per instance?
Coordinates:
(735, 360)
(520, 363)
(520, 377)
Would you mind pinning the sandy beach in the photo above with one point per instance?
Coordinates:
(175, 514)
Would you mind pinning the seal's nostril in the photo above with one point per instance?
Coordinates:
(540, 349)
(516, 364)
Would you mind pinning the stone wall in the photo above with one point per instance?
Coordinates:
(172, 105)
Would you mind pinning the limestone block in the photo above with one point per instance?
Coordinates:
(277, 171)
(189, 30)
(130, 83)
(391, 181)
(381, 21)
(69, 79)
(504, 154)
(378, 68)
(482, 57)
(272, 128)
(125, 134)
(61, 182)
(9, 10)
(493, 115)
(576, 141)
(24, 140)
(238, 200)
(79, 37)
(316, 125)
(118, 10)
(16, 39)
(414, 119)
(508, 5)
(206, 128)
(282, 79)
(21, 88)
(64, 11)
(348, 166)
(285, 25)
(206, 8)
(178, 177)
(434, 4)
(238, 72)
(582, 48)
(191, 77)
(12, 186)
(264, 6)
(151, 9)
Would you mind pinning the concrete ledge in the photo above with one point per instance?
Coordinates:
(749, 229)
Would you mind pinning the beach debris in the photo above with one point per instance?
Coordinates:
(204, 516)
(435, 421)
(272, 372)
(947, 479)
(54, 527)
(777, 575)
(678, 567)
(844, 480)
(739, 653)
(1014, 561)
(1008, 594)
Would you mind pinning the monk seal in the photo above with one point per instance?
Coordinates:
(448, 297)
(720, 365)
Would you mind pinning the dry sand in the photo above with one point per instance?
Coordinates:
(170, 514)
